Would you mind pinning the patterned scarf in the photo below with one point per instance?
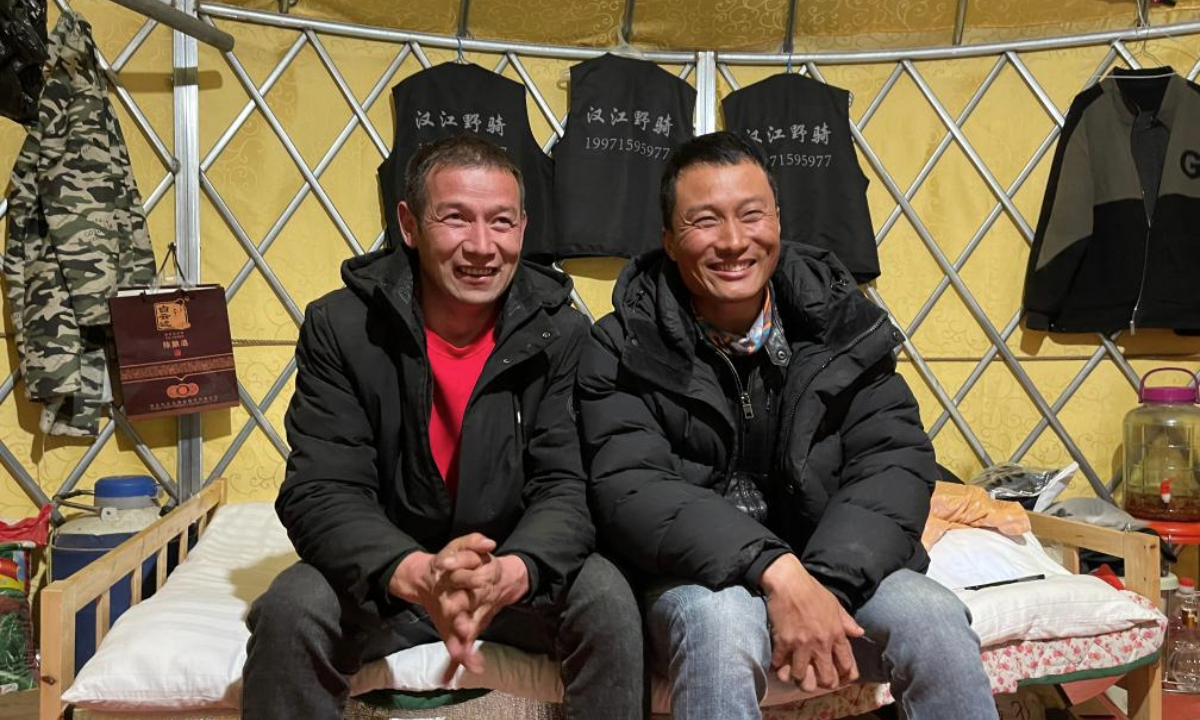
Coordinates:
(752, 341)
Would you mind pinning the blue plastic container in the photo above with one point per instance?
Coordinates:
(124, 505)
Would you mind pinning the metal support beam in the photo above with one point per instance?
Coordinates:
(183, 21)
(626, 35)
(706, 92)
(789, 30)
(960, 22)
(872, 57)
(464, 14)
(189, 462)
(445, 42)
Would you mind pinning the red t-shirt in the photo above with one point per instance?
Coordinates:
(455, 371)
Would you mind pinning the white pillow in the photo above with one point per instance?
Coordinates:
(1061, 605)
(975, 556)
(185, 646)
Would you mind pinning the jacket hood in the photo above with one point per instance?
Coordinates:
(816, 296)
(390, 277)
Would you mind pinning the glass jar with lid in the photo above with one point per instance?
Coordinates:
(1162, 475)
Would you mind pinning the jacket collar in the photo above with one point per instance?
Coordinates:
(388, 279)
(1175, 87)
(817, 300)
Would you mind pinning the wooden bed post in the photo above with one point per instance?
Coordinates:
(1142, 577)
(58, 652)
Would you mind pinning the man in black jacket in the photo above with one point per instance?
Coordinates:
(753, 453)
(435, 489)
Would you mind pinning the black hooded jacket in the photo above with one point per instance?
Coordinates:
(851, 470)
(362, 489)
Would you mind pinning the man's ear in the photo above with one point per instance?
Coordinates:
(668, 242)
(408, 223)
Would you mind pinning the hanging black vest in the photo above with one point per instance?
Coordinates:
(627, 116)
(452, 98)
(802, 127)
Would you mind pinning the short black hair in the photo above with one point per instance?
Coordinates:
(459, 150)
(718, 148)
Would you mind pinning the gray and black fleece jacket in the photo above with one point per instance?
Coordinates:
(1118, 240)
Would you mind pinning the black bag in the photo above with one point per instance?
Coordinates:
(22, 55)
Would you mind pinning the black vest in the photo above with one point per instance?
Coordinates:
(452, 98)
(627, 116)
(803, 128)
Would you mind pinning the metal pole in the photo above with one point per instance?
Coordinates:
(189, 463)
(183, 22)
(960, 22)
(450, 42)
(446, 42)
(789, 30)
(627, 23)
(871, 57)
(706, 92)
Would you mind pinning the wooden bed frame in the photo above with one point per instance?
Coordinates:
(62, 599)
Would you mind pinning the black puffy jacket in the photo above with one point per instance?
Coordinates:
(852, 470)
(362, 489)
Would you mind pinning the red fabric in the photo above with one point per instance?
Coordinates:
(455, 371)
(34, 529)
(1105, 573)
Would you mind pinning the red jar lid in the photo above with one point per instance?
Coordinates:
(1185, 533)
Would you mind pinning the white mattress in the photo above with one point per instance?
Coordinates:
(183, 649)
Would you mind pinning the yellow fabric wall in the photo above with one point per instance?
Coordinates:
(256, 179)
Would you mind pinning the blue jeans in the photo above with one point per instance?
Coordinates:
(714, 647)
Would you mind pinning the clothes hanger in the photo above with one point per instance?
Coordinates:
(788, 71)
(1142, 50)
(461, 60)
(623, 48)
(1145, 52)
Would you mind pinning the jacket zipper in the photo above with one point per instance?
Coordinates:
(791, 415)
(1141, 286)
(1145, 252)
(747, 414)
(743, 393)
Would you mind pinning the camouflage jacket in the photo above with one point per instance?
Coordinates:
(76, 232)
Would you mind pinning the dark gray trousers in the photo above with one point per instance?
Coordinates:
(301, 653)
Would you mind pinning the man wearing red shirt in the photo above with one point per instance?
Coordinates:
(435, 490)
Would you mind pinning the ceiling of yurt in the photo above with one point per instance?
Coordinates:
(749, 25)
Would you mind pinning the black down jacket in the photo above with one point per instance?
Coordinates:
(849, 484)
(362, 489)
